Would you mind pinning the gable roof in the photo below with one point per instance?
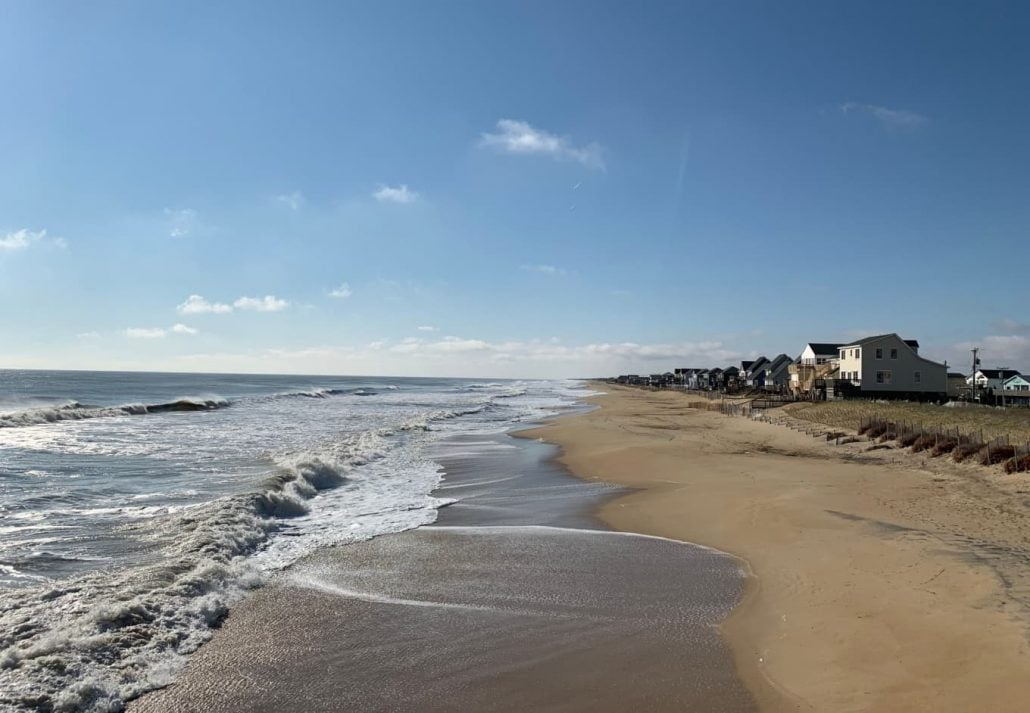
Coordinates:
(914, 343)
(998, 373)
(757, 365)
(824, 347)
(778, 363)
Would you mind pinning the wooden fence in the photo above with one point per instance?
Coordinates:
(940, 440)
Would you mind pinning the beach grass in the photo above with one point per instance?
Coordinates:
(993, 423)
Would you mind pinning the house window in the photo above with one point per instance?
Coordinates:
(858, 353)
(879, 377)
(894, 353)
(879, 353)
(918, 377)
(883, 377)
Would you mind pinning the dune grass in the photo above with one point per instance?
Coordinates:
(994, 423)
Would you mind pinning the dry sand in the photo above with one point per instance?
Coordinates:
(881, 581)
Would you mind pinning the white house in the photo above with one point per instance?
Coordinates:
(1017, 383)
(991, 378)
(816, 353)
(888, 365)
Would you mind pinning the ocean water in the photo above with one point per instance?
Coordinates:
(135, 509)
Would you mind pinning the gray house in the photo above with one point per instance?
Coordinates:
(887, 365)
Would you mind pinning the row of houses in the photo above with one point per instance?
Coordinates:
(882, 366)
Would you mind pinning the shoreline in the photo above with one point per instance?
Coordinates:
(875, 583)
(489, 608)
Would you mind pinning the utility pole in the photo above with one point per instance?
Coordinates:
(975, 362)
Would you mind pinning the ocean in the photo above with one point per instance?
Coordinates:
(136, 509)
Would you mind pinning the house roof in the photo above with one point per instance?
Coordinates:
(914, 343)
(998, 373)
(956, 375)
(757, 364)
(825, 347)
(779, 362)
(745, 365)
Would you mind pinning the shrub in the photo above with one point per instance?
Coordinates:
(964, 451)
(996, 454)
(876, 430)
(908, 439)
(1018, 465)
(923, 443)
(945, 445)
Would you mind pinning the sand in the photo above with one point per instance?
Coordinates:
(880, 581)
(516, 600)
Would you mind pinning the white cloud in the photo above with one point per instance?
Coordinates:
(544, 269)
(891, 119)
(293, 201)
(398, 194)
(195, 304)
(145, 333)
(183, 329)
(342, 292)
(453, 355)
(181, 222)
(519, 137)
(25, 238)
(268, 303)
(427, 328)
(88, 335)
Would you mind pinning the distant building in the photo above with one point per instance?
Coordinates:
(991, 378)
(887, 365)
(1017, 383)
(817, 362)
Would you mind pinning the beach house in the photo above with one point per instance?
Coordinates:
(991, 378)
(777, 374)
(888, 366)
(817, 361)
(1017, 383)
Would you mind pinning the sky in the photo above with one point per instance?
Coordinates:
(520, 189)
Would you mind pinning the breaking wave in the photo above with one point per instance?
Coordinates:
(95, 641)
(75, 411)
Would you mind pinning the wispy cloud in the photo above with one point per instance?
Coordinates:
(268, 303)
(88, 335)
(427, 328)
(890, 119)
(472, 357)
(519, 137)
(395, 194)
(342, 292)
(181, 222)
(183, 329)
(195, 304)
(294, 201)
(544, 269)
(145, 333)
(25, 238)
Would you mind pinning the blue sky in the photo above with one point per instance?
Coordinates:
(518, 189)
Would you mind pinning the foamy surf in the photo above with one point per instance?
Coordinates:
(130, 538)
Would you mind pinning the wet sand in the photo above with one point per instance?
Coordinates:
(881, 581)
(518, 599)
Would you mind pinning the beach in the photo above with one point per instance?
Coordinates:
(879, 581)
(516, 599)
